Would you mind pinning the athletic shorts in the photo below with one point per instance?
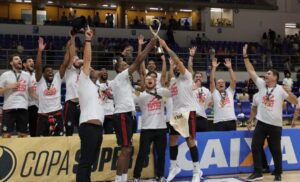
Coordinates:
(192, 126)
(50, 124)
(124, 125)
(15, 117)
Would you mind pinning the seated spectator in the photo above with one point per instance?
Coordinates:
(204, 38)
(136, 21)
(244, 96)
(198, 39)
(64, 19)
(186, 24)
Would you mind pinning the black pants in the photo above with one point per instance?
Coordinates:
(159, 139)
(32, 116)
(71, 117)
(108, 125)
(225, 126)
(50, 125)
(90, 142)
(202, 124)
(261, 132)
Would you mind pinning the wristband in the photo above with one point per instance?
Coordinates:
(88, 40)
(246, 57)
(191, 56)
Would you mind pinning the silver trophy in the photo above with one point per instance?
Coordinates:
(159, 50)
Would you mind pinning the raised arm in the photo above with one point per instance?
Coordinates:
(249, 67)
(140, 57)
(171, 71)
(72, 50)
(141, 42)
(163, 71)
(191, 58)
(291, 97)
(38, 64)
(67, 60)
(87, 53)
(231, 72)
(174, 57)
(212, 85)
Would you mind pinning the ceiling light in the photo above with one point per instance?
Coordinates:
(216, 10)
(82, 4)
(154, 9)
(27, 1)
(146, 11)
(132, 7)
(113, 6)
(18, 1)
(185, 10)
(50, 2)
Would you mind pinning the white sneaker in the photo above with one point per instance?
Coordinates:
(197, 175)
(173, 172)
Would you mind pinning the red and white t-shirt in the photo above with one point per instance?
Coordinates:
(71, 79)
(49, 98)
(16, 99)
(270, 100)
(153, 115)
(182, 93)
(223, 105)
(90, 100)
(203, 96)
(108, 102)
(122, 90)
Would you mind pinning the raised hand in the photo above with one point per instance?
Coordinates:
(228, 63)
(141, 40)
(41, 43)
(162, 43)
(215, 63)
(245, 50)
(89, 34)
(193, 51)
(171, 61)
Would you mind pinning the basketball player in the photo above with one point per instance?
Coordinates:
(50, 121)
(16, 86)
(105, 87)
(153, 126)
(71, 107)
(184, 101)
(124, 107)
(224, 115)
(269, 118)
(28, 65)
(202, 95)
(91, 116)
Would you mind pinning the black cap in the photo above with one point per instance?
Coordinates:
(78, 24)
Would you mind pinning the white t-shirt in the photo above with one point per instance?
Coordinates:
(72, 78)
(32, 101)
(203, 97)
(108, 102)
(288, 82)
(153, 116)
(269, 110)
(169, 108)
(182, 93)
(16, 99)
(223, 108)
(122, 90)
(90, 100)
(49, 99)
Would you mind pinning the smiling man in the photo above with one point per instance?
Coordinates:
(16, 86)
(50, 122)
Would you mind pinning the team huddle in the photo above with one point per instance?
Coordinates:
(96, 105)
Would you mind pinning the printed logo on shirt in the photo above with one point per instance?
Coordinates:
(268, 102)
(21, 85)
(77, 79)
(201, 98)
(225, 101)
(174, 90)
(50, 92)
(154, 104)
(33, 83)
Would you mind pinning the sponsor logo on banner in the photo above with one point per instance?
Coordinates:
(231, 153)
(8, 162)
